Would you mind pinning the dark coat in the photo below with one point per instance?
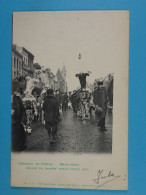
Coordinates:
(58, 98)
(65, 101)
(74, 101)
(110, 92)
(100, 98)
(18, 117)
(51, 109)
(64, 98)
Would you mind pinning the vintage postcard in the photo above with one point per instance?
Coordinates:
(69, 103)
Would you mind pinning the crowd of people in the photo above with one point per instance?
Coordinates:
(28, 106)
(47, 107)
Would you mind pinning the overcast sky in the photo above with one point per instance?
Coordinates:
(57, 38)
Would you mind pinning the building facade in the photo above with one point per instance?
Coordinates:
(23, 66)
(17, 62)
(61, 80)
(27, 65)
(28, 58)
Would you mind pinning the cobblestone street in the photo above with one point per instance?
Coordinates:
(73, 136)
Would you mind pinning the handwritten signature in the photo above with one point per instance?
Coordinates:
(103, 178)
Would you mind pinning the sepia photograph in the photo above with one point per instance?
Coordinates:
(69, 99)
(60, 103)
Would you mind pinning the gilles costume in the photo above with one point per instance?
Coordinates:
(31, 109)
(82, 79)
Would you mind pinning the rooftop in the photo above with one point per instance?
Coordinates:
(27, 51)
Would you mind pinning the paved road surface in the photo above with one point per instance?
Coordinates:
(73, 136)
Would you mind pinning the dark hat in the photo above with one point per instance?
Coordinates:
(100, 82)
(50, 91)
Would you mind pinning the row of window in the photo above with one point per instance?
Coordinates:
(17, 63)
(25, 60)
(17, 73)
